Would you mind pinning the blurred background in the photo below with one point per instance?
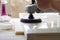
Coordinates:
(14, 7)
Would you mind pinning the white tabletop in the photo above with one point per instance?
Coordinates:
(40, 27)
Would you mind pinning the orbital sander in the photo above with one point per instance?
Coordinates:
(31, 9)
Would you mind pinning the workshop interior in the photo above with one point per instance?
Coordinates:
(25, 20)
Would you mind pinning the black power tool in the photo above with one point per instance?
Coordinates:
(31, 9)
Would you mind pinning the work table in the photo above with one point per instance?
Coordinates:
(37, 31)
(46, 30)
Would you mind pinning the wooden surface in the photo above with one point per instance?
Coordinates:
(19, 33)
(43, 36)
